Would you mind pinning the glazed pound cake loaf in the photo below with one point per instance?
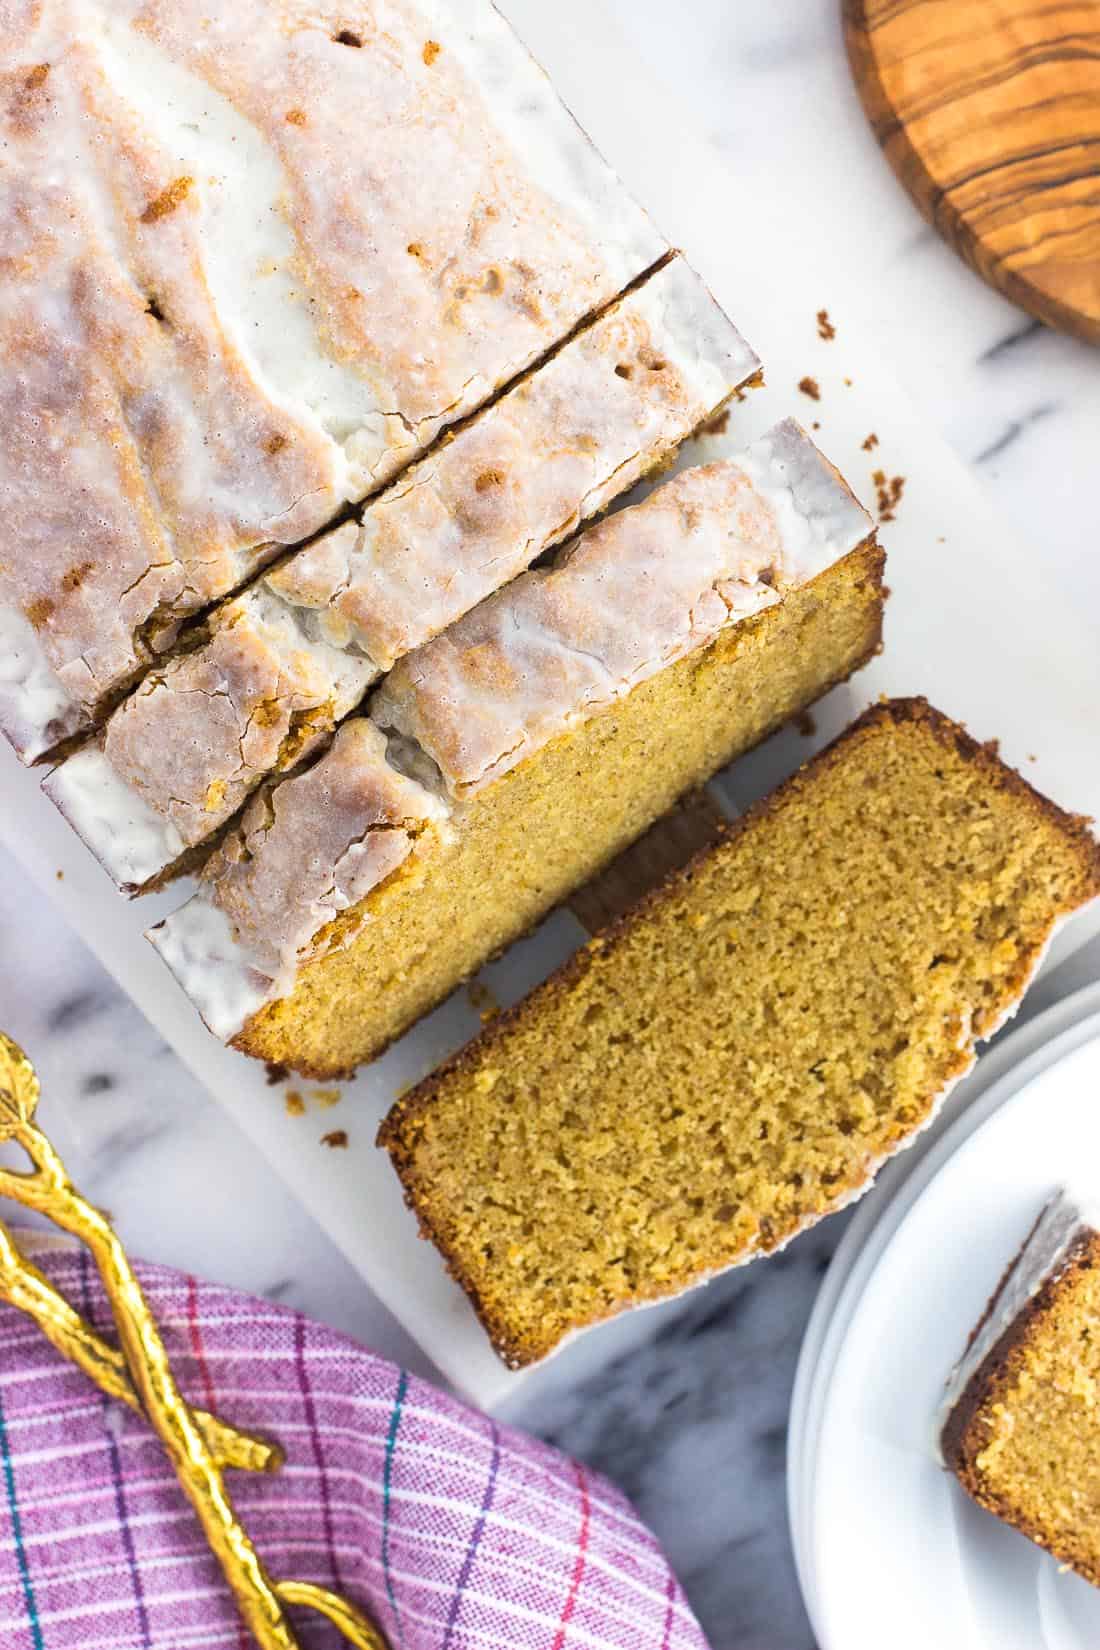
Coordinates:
(289, 244)
(737, 1057)
(555, 723)
(291, 657)
(1021, 1432)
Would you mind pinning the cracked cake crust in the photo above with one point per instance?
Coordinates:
(615, 607)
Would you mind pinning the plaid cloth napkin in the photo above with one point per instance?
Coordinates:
(458, 1533)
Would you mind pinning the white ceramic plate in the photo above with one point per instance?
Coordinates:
(881, 1531)
(960, 582)
(1002, 1071)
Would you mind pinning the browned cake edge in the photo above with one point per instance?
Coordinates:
(952, 735)
(960, 1442)
(245, 1040)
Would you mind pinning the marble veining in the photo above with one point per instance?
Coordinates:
(690, 1417)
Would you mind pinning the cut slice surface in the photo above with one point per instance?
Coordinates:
(741, 1053)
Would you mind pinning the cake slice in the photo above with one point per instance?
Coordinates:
(737, 1057)
(561, 717)
(1021, 1432)
(296, 653)
(289, 245)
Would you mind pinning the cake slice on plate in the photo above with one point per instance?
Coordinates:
(737, 1057)
(553, 724)
(288, 246)
(1022, 1427)
(292, 656)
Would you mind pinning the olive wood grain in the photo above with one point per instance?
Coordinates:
(989, 113)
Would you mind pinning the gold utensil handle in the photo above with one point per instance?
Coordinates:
(48, 1189)
(356, 1627)
(23, 1286)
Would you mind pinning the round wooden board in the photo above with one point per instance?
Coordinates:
(989, 113)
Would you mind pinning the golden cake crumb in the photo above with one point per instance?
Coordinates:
(809, 386)
(295, 1105)
(825, 328)
(336, 1138)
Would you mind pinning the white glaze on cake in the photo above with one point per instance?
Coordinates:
(133, 840)
(611, 405)
(645, 587)
(298, 650)
(252, 271)
(305, 852)
(35, 710)
(1063, 1222)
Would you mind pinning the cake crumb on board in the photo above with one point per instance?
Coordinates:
(295, 1105)
(337, 1139)
(871, 442)
(825, 328)
(810, 386)
(482, 1001)
(890, 490)
(756, 382)
(326, 1098)
(805, 724)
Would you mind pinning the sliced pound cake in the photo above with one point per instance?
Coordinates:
(737, 1057)
(1021, 1432)
(293, 656)
(554, 724)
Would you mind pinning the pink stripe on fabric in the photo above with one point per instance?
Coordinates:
(578, 1568)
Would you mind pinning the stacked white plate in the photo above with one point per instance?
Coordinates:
(885, 1541)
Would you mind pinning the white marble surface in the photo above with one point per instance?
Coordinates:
(700, 1401)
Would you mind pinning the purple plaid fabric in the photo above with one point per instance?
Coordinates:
(457, 1533)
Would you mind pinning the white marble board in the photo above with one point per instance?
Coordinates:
(976, 621)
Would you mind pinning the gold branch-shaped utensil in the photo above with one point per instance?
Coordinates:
(23, 1286)
(46, 1187)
